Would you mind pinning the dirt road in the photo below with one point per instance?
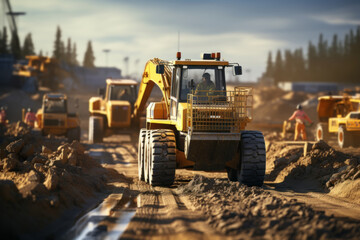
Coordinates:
(189, 209)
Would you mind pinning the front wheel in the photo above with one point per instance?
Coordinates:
(95, 129)
(344, 137)
(252, 158)
(162, 157)
(322, 132)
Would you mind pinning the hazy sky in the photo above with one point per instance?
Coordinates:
(243, 31)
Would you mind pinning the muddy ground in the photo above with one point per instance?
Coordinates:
(54, 189)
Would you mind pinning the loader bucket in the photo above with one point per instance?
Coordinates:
(211, 151)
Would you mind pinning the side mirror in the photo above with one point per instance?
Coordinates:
(237, 70)
(160, 69)
(101, 92)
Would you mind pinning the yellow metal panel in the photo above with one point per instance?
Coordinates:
(220, 111)
(149, 78)
(204, 62)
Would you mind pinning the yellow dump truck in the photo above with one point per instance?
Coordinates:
(197, 127)
(53, 117)
(112, 109)
(339, 116)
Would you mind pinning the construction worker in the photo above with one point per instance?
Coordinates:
(2, 116)
(30, 118)
(125, 96)
(205, 84)
(300, 116)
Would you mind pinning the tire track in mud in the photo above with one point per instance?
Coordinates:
(161, 213)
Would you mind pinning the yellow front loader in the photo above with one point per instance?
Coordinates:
(339, 116)
(197, 129)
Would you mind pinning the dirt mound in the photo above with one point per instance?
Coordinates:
(322, 163)
(40, 178)
(275, 105)
(241, 211)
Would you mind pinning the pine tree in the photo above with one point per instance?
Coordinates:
(269, 66)
(74, 56)
(68, 52)
(15, 46)
(4, 42)
(288, 64)
(28, 47)
(89, 57)
(59, 49)
(278, 68)
(299, 73)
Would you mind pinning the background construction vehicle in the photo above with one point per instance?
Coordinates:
(112, 109)
(53, 117)
(202, 130)
(44, 71)
(339, 115)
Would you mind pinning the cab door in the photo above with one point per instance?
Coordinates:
(174, 94)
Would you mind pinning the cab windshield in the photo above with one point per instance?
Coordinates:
(123, 92)
(55, 106)
(192, 79)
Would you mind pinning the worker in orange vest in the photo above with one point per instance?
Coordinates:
(30, 118)
(300, 116)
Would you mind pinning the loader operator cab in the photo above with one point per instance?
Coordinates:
(55, 104)
(188, 76)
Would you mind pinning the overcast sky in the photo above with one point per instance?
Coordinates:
(243, 31)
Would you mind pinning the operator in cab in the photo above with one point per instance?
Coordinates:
(205, 84)
(125, 96)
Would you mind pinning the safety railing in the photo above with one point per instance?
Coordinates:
(219, 111)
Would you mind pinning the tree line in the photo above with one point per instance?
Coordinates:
(65, 53)
(337, 61)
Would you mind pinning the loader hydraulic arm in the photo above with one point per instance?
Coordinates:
(149, 78)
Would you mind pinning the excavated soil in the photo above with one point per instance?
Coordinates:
(335, 171)
(41, 178)
(241, 211)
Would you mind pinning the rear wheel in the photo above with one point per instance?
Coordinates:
(344, 137)
(141, 151)
(253, 158)
(73, 134)
(322, 132)
(95, 129)
(162, 157)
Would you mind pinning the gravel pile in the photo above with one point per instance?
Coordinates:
(322, 162)
(245, 212)
(41, 177)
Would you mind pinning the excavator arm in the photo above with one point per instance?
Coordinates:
(149, 79)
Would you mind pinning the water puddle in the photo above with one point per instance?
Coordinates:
(108, 221)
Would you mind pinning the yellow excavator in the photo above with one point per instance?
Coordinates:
(196, 128)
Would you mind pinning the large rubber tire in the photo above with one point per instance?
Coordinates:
(322, 132)
(141, 153)
(252, 159)
(95, 129)
(344, 137)
(146, 156)
(73, 134)
(232, 174)
(162, 157)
